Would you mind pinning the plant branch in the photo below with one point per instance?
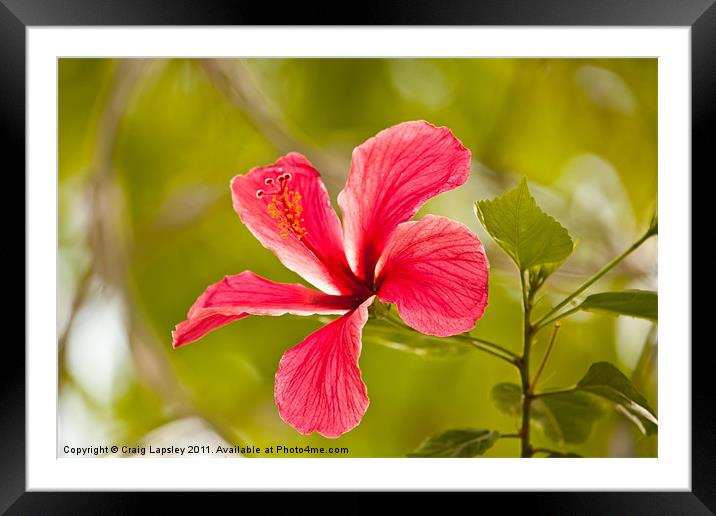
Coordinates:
(478, 343)
(524, 366)
(111, 265)
(546, 318)
(545, 358)
(234, 79)
(556, 318)
(489, 351)
(81, 292)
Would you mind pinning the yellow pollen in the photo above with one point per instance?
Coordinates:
(285, 208)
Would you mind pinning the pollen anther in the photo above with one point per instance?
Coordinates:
(285, 207)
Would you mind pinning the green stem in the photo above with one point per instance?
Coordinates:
(478, 343)
(524, 365)
(545, 358)
(476, 340)
(493, 353)
(541, 323)
(556, 318)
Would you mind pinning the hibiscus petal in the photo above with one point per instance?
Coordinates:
(392, 175)
(193, 329)
(236, 297)
(435, 271)
(301, 228)
(318, 384)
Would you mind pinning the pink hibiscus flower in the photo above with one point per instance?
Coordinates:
(434, 270)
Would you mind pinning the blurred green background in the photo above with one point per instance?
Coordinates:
(146, 152)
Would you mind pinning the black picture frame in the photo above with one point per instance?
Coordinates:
(17, 15)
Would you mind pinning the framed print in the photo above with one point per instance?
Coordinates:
(424, 254)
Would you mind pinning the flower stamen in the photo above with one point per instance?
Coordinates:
(285, 206)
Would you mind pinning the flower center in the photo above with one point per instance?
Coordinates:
(284, 205)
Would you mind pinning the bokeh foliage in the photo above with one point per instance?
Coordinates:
(168, 135)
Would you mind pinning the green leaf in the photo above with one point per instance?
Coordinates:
(385, 334)
(458, 442)
(507, 397)
(539, 273)
(526, 233)
(565, 455)
(605, 380)
(635, 303)
(566, 417)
